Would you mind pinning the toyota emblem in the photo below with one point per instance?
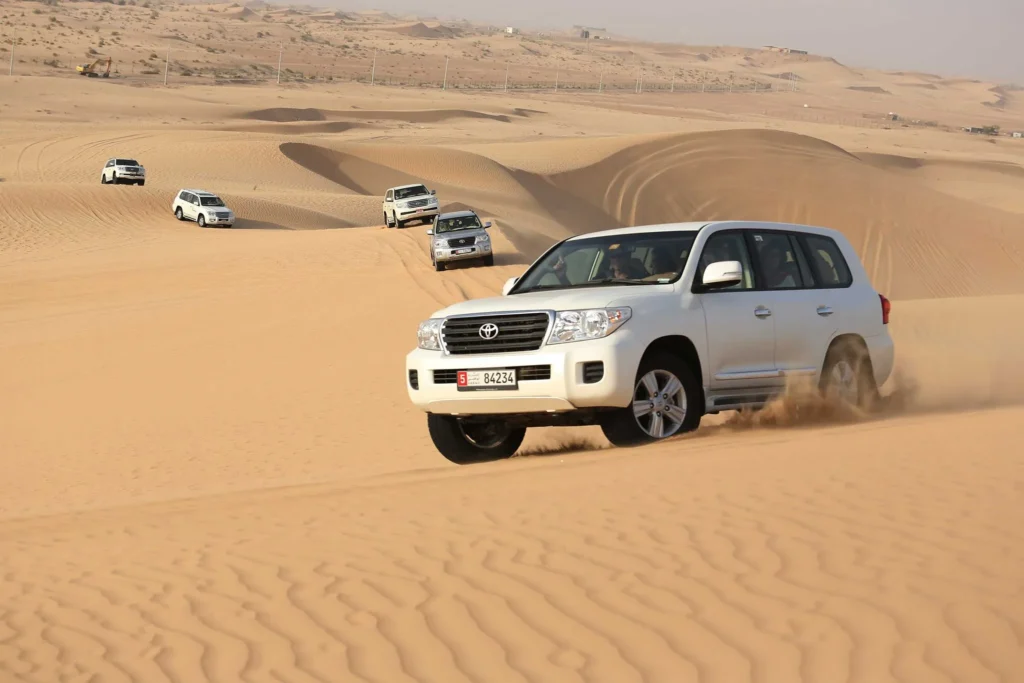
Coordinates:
(488, 331)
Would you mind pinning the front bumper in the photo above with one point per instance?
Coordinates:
(564, 390)
(214, 220)
(473, 251)
(417, 213)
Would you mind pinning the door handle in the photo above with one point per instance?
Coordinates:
(824, 311)
(762, 312)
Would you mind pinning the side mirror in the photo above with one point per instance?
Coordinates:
(430, 231)
(722, 274)
(433, 192)
(487, 225)
(509, 284)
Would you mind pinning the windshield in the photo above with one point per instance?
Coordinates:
(457, 223)
(414, 191)
(644, 258)
(126, 162)
(211, 201)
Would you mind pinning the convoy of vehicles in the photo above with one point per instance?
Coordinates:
(459, 236)
(639, 330)
(644, 330)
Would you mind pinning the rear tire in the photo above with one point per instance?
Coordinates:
(649, 419)
(178, 214)
(469, 443)
(848, 376)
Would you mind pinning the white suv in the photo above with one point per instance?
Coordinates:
(205, 208)
(120, 170)
(644, 330)
(409, 203)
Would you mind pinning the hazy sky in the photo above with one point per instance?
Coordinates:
(978, 38)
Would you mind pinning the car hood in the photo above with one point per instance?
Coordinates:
(558, 300)
(216, 208)
(458, 234)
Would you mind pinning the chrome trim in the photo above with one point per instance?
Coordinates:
(754, 374)
(544, 341)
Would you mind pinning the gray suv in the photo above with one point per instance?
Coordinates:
(458, 236)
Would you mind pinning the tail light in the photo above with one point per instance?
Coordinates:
(886, 307)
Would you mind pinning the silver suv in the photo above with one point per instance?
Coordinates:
(459, 236)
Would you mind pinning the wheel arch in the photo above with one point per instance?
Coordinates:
(852, 341)
(682, 347)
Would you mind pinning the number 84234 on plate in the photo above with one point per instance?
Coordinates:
(468, 380)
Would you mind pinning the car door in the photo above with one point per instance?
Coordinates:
(803, 326)
(193, 206)
(740, 335)
(835, 299)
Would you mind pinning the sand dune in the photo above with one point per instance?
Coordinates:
(211, 470)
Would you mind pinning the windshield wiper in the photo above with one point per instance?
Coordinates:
(612, 281)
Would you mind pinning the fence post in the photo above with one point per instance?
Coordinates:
(704, 81)
(641, 91)
(672, 88)
(556, 80)
(600, 82)
(444, 83)
(280, 57)
(506, 76)
(373, 67)
(167, 64)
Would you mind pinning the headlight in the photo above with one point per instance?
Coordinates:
(429, 334)
(592, 323)
(484, 238)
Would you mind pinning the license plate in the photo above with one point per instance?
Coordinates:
(486, 379)
(462, 251)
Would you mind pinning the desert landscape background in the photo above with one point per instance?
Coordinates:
(211, 470)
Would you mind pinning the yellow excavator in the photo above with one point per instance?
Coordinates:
(93, 70)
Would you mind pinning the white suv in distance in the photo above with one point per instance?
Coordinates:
(205, 208)
(459, 236)
(409, 203)
(121, 170)
(644, 330)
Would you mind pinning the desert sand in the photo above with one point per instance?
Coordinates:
(211, 471)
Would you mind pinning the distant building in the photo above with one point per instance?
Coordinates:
(785, 50)
(1017, 134)
(511, 31)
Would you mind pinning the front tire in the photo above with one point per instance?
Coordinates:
(489, 260)
(467, 443)
(141, 183)
(201, 220)
(179, 214)
(847, 375)
(666, 403)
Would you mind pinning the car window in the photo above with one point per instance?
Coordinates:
(827, 262)
(653, 258)
(110, 163)
(127, 162)
(801, 261)
(458, 223)
(414, 191)
(211, 201)
(776, 255)
(183, 196)
(389, 195)
(726, 246)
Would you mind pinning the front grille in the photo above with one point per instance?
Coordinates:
(516, 332)
(524, 373)
(593, 372)
(414, 379)
(223, 215)
(417, 203)
(462, 242)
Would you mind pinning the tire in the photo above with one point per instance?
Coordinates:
(847, 375)
(489, 260)
(399, 224)
(201, 221)
(387, 221)
(624, 428)
(438, 266)
(141, 183)
(450, 438)
(113, 179)
(103, 178)
(178, 214)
